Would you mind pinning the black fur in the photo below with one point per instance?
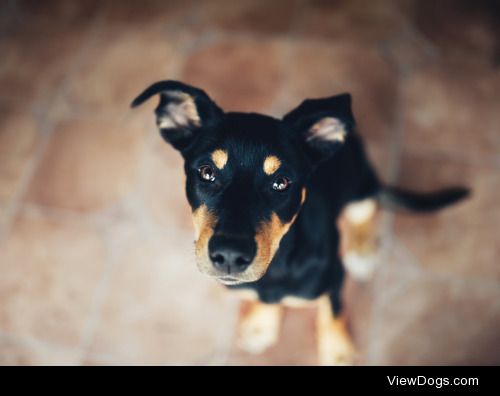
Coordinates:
(334, 173)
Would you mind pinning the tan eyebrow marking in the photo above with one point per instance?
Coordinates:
(271, 164)
(219, 157)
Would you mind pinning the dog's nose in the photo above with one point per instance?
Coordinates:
(231, 255)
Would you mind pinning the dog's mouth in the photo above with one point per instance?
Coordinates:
(229, 280)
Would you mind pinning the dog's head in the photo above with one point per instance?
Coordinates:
(245, 173)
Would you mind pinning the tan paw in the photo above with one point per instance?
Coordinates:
(260, 329)
(336, 351)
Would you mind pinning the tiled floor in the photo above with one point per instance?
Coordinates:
(96, 256)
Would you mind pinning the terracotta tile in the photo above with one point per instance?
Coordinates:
(451, 106)
(50, 272)
(461, 28)
(354, 21)
(460, 240)
(358, 305)
(159, 309)
(231, 73)
(117, 68)
(440, 322)
(19, 140)
(3, 211)
(379, 154)
(101, 361)
(394, 271)
(38, 54)
(7, 13)
(251, 16)
(297, 342)
(73, 12)
(296, 345)
(409, 51)
(15, 352)
(165, 16)
(322, 70)
(89, 163)
(163, 187)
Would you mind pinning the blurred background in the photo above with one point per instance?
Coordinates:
(96, 255)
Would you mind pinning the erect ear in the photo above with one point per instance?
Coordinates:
(322, 125)
(182, 112)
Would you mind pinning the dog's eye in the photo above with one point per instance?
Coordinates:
(206, 173)
(281, 183)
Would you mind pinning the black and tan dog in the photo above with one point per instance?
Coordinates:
(268, 198)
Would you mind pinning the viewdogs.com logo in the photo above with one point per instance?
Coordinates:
(438, 382)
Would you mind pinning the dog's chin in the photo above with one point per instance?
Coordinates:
(206, 268)
(229, 280)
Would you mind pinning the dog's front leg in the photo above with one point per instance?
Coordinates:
(259, 326)
(335, 347)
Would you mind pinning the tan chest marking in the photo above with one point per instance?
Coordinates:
(297, 302)
(245, 294)
(289, 301)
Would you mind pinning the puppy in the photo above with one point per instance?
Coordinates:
(268, 198)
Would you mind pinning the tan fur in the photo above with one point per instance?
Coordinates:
(271, 164)
(246, 294)
(219, 157)
(297, 302)
(268, 238)
(359, 242)
(259, 326)
(334, 342)
(303, 196)
(204, 223)
(358, 227)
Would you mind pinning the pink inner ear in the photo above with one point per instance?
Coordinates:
(181, 112)
(328, 129)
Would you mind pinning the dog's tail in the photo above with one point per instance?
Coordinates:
(395, 198)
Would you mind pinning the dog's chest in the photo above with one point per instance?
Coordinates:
(287, 301)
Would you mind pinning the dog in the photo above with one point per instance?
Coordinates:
(269, 197)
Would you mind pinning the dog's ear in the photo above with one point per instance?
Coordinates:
(183, 111)
(322, 125)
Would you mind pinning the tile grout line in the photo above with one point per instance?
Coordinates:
(292, 35)
(393, 170)
(396, 151)
(91, 37)
(46, 129)
(99, 295)
(16, 201)
(428, 272)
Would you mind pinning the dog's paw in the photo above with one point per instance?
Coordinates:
(259, 330)
(361, 266)
(335, 350)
